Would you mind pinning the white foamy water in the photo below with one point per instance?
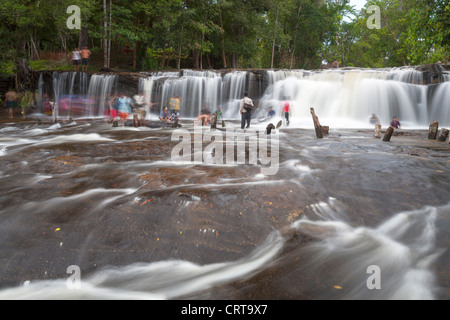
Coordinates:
(7, 142)
(159, 280)
(403, 247)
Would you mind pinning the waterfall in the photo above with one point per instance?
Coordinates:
(68, 88)
(76, 94)
(347, 98)
(99, 93)
(200, 91)
(40, 102)
(440, 103)
(341, 97)
(151, 92)
(234, 85)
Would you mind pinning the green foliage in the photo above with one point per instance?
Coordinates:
(42, 65)
(412, 32)
(229, 33)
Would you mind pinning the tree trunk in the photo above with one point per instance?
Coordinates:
(195, 56)
(179, 56)
(317, 126)
(163, 60)
(224, 58)
(141, 54)
(109, 33)
(135, 56)
(234, 58)
(34, 51)
(105, 37)
(295, 36)
(83, 39)
(274, 38)
(201, 52)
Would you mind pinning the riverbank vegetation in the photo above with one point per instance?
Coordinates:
(137, 35)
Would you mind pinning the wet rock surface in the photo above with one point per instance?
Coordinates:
(98, 197)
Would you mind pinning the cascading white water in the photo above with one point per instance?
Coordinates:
(99, 93)
(76, 94)
(349, 98)
(233, 88)
(341, 97)
(67, 88)
(199, 91)
(440, 103)
(40, 102)
(150, 91)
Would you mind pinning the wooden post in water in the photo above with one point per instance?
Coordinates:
(444, 135)
(317, 126)
(388, 134)
(53, 104)
(269, 128)
(433, 130)
(279, 124)
(136, 122)
(214, 121)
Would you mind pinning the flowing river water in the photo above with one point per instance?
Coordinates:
(111, 202)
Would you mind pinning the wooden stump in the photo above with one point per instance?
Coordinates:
(317, 125)
(444, 135)
(214, 121)
(388, 134)
(279, 124)
(433, 130)
(54, 112)
(325, 129)
(269, 128)
(176, 124)
(136, 122)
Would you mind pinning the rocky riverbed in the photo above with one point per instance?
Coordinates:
(112, 202)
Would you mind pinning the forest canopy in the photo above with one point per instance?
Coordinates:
(219, 34)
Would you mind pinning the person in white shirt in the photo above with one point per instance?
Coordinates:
(246, 107)
(76, 59)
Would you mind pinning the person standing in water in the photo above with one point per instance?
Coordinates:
(374, 119)
(286, 110)
(246, 107)
(10, 101)
(175, 103)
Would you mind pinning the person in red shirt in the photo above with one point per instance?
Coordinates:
(286, 110)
